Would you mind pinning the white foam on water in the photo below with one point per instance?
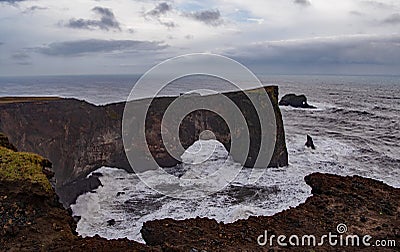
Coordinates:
(276, 190)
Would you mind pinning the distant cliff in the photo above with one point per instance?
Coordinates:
(79, 137)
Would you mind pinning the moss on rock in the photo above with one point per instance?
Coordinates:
(22, 166)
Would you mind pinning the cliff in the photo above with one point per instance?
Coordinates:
(31, 219)
(78, 137)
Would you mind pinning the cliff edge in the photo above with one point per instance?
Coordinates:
(31, 218)
(79, 137)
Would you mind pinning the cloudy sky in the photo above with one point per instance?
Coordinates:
(41, 37)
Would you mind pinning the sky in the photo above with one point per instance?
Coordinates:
(47, 37)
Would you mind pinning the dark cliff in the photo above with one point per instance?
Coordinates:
(78, 137)
(31, 219)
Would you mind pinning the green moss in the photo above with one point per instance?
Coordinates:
(21, 166)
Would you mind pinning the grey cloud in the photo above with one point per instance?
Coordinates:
(302, 2)
(189, 37)
(83, 47)
(11, 1)
(210, 17)
(377, 4)
(392, 19)
(168, 24)
(107, 21)
(24, 63)
(356, 13)
(374, 50)
(34, 8)
(20, 56)
(160, 9)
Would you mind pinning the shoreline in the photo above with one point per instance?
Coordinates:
(365, 206)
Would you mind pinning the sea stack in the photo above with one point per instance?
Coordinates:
(310, 142)
(297, 101)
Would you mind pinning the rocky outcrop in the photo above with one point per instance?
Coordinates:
(365, 206)
(76, 136)
(310, 143)
(79, 137)
(297, 101)
(32, 219)
(6, 143)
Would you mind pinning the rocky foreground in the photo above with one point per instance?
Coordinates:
(32, 219)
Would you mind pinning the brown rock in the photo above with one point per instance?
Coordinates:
(334, 195)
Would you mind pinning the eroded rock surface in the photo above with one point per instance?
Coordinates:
(31, 219)
(78, 137)
(366, 206)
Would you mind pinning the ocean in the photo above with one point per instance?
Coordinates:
(356, 130)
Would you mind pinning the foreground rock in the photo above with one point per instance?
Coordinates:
(297, 101)
(366, 206)
(31, 219)
(78, 137)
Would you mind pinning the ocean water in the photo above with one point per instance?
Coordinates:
(356, 130)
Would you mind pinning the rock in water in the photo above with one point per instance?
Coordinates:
(310, 142)
(297, 101)
(111, 222)
(120, 193)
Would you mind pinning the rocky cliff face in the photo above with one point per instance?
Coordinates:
(75, 135)
(78, 137)
(31, 219)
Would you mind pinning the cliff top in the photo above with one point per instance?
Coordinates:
(27, 99)
(22, 166)
(31, 219)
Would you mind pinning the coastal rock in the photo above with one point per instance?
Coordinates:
(32, 219)
(79, 137)
(336, 200)
(297, 101)
(111, 222)
(4, 142)
(310, 142)
(71, 191)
